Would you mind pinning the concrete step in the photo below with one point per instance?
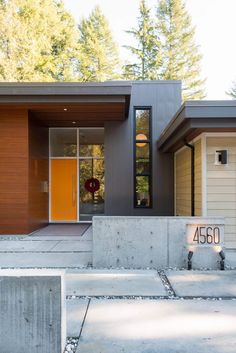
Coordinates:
(46, 260)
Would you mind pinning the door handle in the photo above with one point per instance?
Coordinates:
(73, 190)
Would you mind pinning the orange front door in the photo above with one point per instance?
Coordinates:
(63, 190)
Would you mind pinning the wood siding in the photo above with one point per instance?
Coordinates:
(221, 185)
(198, 178)
(13, 172)
(183, 181)
(23, 169)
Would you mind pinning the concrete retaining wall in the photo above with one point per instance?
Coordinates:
(32, 311)
(152, 242)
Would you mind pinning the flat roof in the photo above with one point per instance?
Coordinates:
(8, 91)
(195, 117)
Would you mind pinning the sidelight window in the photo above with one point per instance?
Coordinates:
(142, 157)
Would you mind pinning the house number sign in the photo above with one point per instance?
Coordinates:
(205, 234)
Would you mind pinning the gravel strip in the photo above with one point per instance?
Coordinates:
(71, 344)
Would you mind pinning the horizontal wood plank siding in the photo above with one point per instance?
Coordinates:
(198, 178)
(183, 181)
(14, 172)
(221, 184)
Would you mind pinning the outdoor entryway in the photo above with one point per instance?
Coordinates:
(76, 174)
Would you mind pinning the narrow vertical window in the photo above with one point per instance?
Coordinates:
(142, 157)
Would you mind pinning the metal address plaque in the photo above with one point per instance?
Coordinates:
(205, 234)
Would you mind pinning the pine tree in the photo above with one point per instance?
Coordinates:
(38, 41)
(232, 91)
(180, 55)
(99, 58)
(146, 51)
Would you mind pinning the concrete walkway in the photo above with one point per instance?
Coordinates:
(128, 311)
(132, 311)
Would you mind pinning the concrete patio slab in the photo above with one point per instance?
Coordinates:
(161, 326)
(50, 259)
(75, 312)
(114, 283)
(203, 283)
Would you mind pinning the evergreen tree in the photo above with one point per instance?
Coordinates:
(99, 58)
(38, 41)
(146, 51)
(232, 91)
(180, 55)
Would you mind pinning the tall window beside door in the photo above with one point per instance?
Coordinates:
(142, 157)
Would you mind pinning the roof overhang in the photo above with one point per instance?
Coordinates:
(196, 117)
(57, 104)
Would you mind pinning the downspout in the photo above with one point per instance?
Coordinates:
(192, 177)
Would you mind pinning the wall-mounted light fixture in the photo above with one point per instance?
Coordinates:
(221, 157)
(222, 261)
(190, 255)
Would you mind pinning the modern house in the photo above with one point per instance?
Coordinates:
(70, 151)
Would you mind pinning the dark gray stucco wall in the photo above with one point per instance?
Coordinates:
(165, 99)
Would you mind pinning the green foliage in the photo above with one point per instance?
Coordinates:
(180, 55)
(146, 50)
(166, 48)
(232, 91)
(38, 41)
(99, 58)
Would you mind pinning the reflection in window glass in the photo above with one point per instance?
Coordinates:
(143, 160)
(91, 143)
(63, 142)
(142, 123)
(91, 203)
(142, 191)
(142, 166)
(142, 152)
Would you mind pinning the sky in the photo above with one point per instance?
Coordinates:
(215, 22)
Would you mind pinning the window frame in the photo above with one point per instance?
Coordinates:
(149, 142)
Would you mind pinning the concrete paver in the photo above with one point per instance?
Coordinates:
(75, 312)
(114, 283)
(160, 326)
(203, 283)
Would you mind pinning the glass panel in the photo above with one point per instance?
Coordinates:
(142, 124)
(142, 191)
(142, 152)
(91, 142)
(91, 203)
(63, 142)
(142, 166)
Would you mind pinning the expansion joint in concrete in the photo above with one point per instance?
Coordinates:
(84, 319)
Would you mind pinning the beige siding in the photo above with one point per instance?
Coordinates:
(198, 178)
(221, 184)
(183, 181)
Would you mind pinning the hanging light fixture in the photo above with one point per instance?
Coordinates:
(142, 138)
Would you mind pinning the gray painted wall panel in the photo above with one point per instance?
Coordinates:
(165, 99)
